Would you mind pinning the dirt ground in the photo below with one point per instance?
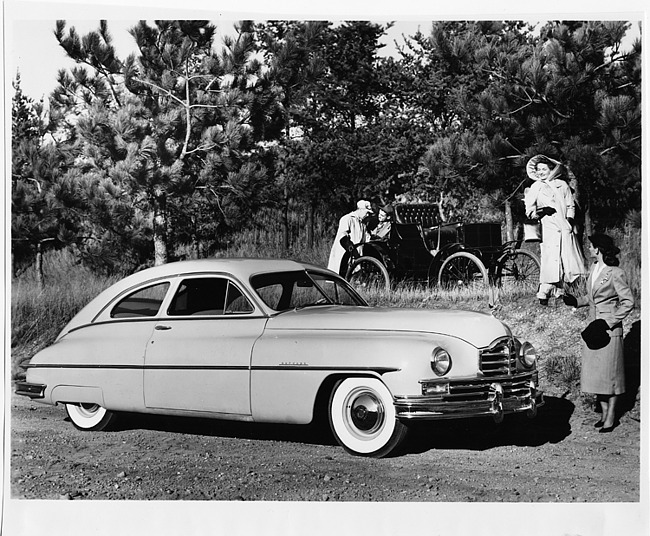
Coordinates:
(558, 457)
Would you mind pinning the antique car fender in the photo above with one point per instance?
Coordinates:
(290, 366)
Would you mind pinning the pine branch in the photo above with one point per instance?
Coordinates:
(188, 114)
(161, 90)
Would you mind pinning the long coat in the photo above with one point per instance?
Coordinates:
(350, 225)
(561, 258)
(609, 297)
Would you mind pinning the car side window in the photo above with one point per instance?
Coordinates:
(199, 296)
(143, 302)
(236, 302)
(212, 296)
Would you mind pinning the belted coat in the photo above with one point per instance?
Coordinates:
(561, 258)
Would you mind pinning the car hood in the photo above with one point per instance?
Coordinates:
(479, 329)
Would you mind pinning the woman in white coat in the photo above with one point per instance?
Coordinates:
(353, 226)
(610, 300)
(550, 200)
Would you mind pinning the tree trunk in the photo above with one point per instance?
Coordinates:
(195, 245)
(580, 219)
(160, 231)
(285, 219)
(310, 225)
(40, 276)
(588, 222)
(509, 226)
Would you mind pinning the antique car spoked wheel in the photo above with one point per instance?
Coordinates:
(90, 416)
(367, 273)
(462, 269)
(362, 417)
(519, 268)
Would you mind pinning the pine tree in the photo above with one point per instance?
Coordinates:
(570, 93)
(41, 200)
(162, 131)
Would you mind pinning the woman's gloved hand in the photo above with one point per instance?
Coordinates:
(545, 211)
(570, 300)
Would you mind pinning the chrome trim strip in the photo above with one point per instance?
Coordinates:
(495, 402)
(473, 381)
(380, 370)
(156, 319)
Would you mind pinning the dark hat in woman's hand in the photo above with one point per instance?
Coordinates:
(595, 334)
(604, 243)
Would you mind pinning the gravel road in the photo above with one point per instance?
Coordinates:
(558, 457)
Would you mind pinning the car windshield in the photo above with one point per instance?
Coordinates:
(284, 291)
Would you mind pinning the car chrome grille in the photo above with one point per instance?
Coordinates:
(475, 390)
(500, 358)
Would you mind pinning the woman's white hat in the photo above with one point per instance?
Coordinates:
(532, 164)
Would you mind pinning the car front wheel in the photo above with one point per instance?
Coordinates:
(90, 417)
(362, 417)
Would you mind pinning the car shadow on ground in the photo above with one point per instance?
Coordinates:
(550, 426)
(309, 434)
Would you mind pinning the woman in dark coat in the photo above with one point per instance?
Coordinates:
(610, 300)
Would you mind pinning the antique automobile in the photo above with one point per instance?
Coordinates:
(421, 247)
(278, 341)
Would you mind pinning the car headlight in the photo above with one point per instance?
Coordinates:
(527, 355)
(440, 361)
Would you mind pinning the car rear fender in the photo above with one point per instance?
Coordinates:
(77, 394)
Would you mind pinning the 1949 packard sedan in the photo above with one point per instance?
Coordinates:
(276, 341)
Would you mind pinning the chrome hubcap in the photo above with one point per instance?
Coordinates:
(366, 412)
(88, 410)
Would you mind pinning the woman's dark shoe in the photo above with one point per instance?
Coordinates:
(543, 301)
(607, 429)
(599, 424)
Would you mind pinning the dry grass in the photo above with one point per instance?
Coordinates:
(37, 315)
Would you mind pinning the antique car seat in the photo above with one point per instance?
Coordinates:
(435, 233)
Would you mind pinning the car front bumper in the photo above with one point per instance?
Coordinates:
(476, 397)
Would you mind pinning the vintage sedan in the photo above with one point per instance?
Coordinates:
(279, 341)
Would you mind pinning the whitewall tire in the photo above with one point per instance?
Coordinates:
(90, 416)
(362, 417)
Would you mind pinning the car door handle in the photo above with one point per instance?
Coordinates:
(162, 328)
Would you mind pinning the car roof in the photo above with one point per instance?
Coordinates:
(240, 268)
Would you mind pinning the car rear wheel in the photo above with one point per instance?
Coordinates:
(362, 417)
(368, 274)
(90, 416)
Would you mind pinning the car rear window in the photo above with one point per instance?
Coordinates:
(142, 302)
